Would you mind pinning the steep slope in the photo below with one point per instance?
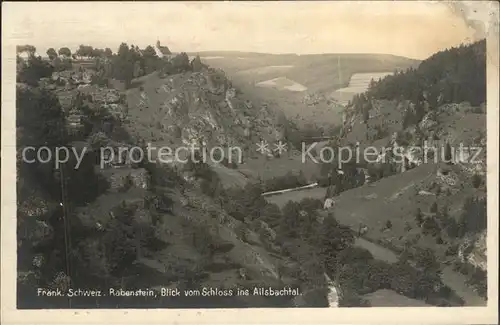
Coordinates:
(199, 106)
(204, 109)
(411, 200)
(136, 225)
(436, 108)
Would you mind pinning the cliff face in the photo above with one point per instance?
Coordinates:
(198, 107)
(458, 125)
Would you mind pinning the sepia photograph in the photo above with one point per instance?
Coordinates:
(326, 155)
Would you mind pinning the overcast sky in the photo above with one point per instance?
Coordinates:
(406, 28)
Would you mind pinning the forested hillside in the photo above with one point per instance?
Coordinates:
(454, 75)
(438, 106)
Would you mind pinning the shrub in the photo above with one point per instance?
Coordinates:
(271, 214)
(196, 64)
(477, 180)
(100, 80)
(407, 226)
(473, 217)
(62, 64)
(433, 208)
(431, 227)
(120, 245)
(162, 175)
(452, 250)
(451, 227)
(202, 240)
(241, 232)
(180, 63)
(380, 132)
(310, 204)
(211, 184)
(33, 70)
(225, 162)
(323, 181)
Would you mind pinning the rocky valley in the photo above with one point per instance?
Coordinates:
(392, 227)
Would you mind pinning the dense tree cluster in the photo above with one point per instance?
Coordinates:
(247, 203)
(51, 53)
(454, 75)
(64, 51)
(40, 122)
(87, 51)
(128, 63)
(351, 175)
(438, 223)
(354, 268)
(473, 218)
(62, 64)
(30, 71)
(210, 183)
(30, 49)
(131, 62)
(476, 277)
(362, 104)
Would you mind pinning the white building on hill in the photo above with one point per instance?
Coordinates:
(161, 51)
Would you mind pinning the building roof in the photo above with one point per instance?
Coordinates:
(159, 53)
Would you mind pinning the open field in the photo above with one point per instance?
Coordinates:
(282, 83)
(260, 167)
(358, 84)
(265, 70)
(289, 78)
(318, 72)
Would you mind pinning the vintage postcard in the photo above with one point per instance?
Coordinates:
(250, 162)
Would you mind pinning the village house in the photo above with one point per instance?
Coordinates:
(161, 51)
